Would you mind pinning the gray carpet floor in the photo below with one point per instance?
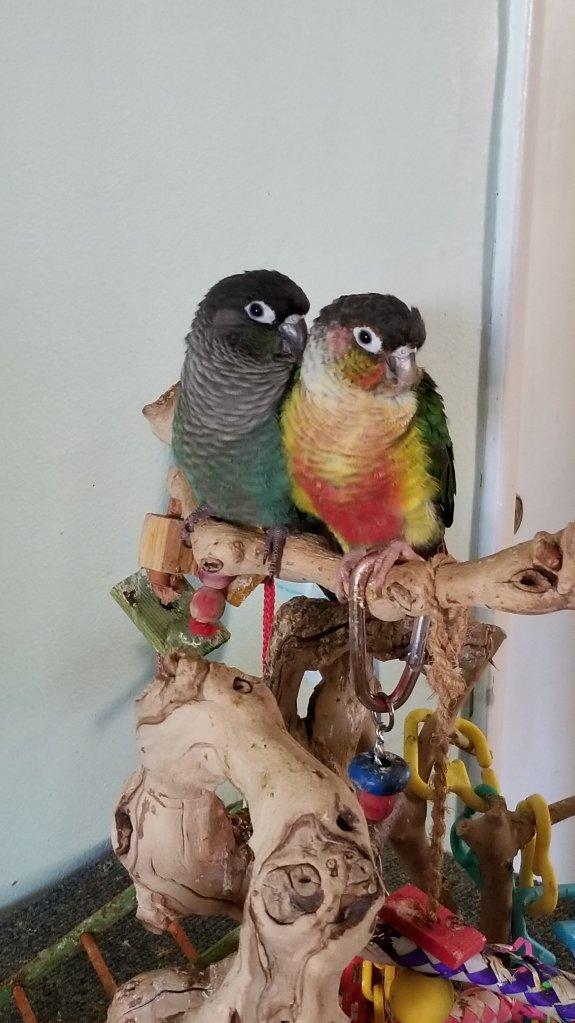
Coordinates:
(72, 993)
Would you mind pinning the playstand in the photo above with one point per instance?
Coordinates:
(299, 867)
(305, 884)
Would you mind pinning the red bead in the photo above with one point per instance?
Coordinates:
(375, 808)
(207, 605)
(197, 628)
(214, 580)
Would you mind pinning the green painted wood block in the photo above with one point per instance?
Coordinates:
(166, 628)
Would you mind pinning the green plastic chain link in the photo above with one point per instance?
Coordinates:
(462, 854)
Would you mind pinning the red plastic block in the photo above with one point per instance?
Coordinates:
(353, 1003)
(449, 939)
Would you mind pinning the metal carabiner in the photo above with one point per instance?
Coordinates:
(361, 664)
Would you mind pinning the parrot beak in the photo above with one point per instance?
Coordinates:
(293, 336)
(403, 366)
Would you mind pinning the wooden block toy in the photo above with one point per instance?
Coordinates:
(161, 546)
(448, 939)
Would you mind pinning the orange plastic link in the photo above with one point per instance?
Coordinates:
(99, 963)
(23, 1005)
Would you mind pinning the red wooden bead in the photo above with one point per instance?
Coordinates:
(202, 628)
(207, 605)
(448, 938)
(214, 580)
(375, 808)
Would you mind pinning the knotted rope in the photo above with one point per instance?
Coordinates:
(447, 632)
(268, 617)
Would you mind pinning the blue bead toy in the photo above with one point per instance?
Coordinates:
(378, 778)
(386, 776)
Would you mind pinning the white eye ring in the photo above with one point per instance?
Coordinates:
(367, 339)
(260, 312)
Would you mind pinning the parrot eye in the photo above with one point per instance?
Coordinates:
(367, 339)
(260, 312)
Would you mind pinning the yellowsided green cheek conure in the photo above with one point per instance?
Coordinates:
(365, 433)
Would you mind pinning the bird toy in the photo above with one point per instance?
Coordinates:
(509, 970)
(405, 996)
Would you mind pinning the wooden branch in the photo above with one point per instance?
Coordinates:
(313, 635)
(312, 890)
(163, 995)
(496, 837)
(160, 413)
(562, 810)
(535, 577)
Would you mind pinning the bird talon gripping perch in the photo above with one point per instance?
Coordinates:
(276, 537)
(200, 514)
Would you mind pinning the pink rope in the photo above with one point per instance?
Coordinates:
(269, 614)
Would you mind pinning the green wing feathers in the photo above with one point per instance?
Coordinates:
(435, 432)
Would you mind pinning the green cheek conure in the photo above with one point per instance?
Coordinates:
(366, 436)
(244, 345)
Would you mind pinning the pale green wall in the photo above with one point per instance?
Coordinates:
(148, 149)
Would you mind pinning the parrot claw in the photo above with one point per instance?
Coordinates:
(381, 561)
(347, 565)
(386, 558)
(276, 537)
(199, 514)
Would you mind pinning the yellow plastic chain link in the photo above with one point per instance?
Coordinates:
(367, 980)
(376, 993)
(535, 858)
(389, 973)
(379, 1004)
(457, 776)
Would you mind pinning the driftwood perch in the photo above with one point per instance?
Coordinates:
(164, 994)
(314, 635)
(496, 837)
(305, 883)
(308, 885)
(535, 577)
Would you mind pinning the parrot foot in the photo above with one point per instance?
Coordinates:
(347, 565)
(200, 514)
(276, 537)
(381, 561)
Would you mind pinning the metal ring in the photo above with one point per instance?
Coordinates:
(378, 717)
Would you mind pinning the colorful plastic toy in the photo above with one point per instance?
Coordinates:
(564, 930)
(411, 997)
(415, 998)
(447, 938)
(510, 971)
(457, 777)
(378, 777)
